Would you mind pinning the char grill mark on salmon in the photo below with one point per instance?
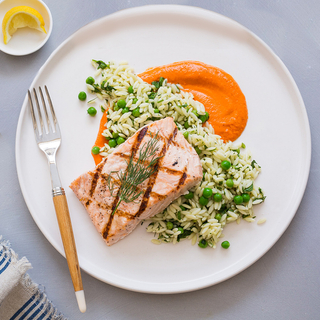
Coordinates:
(153, 178)
(135, 148)
(178, 170)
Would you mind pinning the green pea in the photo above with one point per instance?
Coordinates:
(134, 101)
(190, 195)
(218, 216)
(183, 208)
(238, 199)
(115, 135)
(136, 112)
(112, 143)
(225, 165)
(130, 89)
(195, 112)
(90, 80)
(225, 244)
(82, 96)
(203, 243)
(120, 140)
(198, 151)
(125, 110)
(121, 103)
(169, 225)
(207, 192)
(156, 111)
(186, 125)
(217, 197)
(95, 150)
(207, 115)
(116, 108)
(229, 183)
(203, 118)
(181, 230)
(92, 111)
(246, 197)
(186, 134)
(203, 201)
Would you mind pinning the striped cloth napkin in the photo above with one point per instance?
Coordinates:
(20, 297)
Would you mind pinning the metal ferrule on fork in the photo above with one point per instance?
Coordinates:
(59, 191)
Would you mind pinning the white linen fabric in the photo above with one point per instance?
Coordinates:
(20, 297)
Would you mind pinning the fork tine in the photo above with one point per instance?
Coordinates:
(45, 108)
(35, 126)
(56, 126)
(39, 111)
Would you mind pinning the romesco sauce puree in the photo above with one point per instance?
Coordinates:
(214, 88)
(101, 140)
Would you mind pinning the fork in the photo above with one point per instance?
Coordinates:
(48, 138)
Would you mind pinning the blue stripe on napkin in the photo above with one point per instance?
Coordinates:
(2, 269)
(22, 308)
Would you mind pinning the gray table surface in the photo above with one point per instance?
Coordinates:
(283, 284)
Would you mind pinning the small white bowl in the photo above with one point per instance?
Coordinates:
(25, 40)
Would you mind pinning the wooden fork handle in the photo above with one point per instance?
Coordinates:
(64, 221)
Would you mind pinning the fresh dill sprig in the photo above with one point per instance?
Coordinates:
(136, 173)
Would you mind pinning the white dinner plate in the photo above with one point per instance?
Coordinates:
(277, 134)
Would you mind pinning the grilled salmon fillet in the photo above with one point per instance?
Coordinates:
(178, 170)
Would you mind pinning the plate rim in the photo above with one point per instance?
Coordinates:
(182, 9)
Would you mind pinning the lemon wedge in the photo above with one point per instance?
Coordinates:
(20, 17)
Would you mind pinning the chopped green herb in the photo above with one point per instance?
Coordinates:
(152, 95)
(237, 151)
(101, 65)
(161, 81)
(97, 88)
(156, 84)
(184, 234)
(249, 189)
(107, 87)
(253, 163)
(223, 209)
